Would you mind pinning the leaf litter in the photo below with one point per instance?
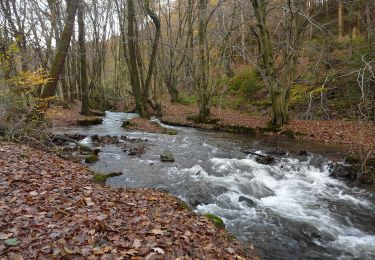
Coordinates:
(51, 209)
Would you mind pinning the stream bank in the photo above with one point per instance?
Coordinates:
(288, 208)
(50, 208)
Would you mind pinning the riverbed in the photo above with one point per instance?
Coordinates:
(290, 209)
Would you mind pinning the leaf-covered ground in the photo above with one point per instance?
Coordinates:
(356, 134)
(50, 209)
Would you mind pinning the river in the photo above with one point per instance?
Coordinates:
(291, 209)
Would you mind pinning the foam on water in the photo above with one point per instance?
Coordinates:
(291, 189)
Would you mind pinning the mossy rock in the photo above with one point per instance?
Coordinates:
(167, 156)
(100, 178)
(289, 133)
(85, 148)
(90, 121)
(127, 124)
(216, 220)
(171, 132)
(115, 174)
(92, 159)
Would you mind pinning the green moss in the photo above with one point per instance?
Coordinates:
(197, 120)
(171, 132)
(188, 99)
(352, 159)
(245, 82)
(100, 178)
(127, 124)
(289, 133)
(84, 148)
(183, 205)
(91, 159)
(216, 220)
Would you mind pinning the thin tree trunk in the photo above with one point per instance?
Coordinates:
(204, 109)
(155, 45)
(85, 109)
(341, 19)
(62, 50)
(133, 64)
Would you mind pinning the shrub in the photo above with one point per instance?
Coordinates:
(245, 82)
(188, 100)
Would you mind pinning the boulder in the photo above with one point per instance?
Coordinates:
(247, 201)
(90, 121)
(342, 171)
(265, 159)
(91, 159)
(167, 156)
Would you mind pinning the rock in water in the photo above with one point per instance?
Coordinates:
(167, 156)
(248, 201)
(265, 159)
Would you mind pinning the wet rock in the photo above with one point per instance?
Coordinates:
(135, 150)
(92, 159)
(115, 174)
(311, 231)
(303, 153)
(248, 201)
(127, 124)
(167, 156)
(265, 159)
(342, 171)
(97, 113)
(277, 152)
(90, 121)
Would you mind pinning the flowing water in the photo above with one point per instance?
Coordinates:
(291, 209)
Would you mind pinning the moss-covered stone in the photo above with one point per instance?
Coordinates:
(100, 178)
(289, 133)
(85, 148)
(216, 220)
(171, 132)
(115, 174)
(92, 159)
(167, 156)
(127, 124)
(90, 121)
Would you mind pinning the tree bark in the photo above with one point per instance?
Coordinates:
(85, 109)
(133, 64)
(155, 19)
(341, 19)
(62, 50)
(204, 109)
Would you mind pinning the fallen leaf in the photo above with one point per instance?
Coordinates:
(158, 250)
(5, 236)
(12, 242)
(137, 243)
(157, 231)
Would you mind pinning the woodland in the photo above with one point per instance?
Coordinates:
(302, 70)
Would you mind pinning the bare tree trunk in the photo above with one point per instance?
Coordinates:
(204, 109)
(341, 19)
(62, 50)
(85, 109)
(155, 45)
(133, 66)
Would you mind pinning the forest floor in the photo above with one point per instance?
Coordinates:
(50, 208)
(358, 135)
